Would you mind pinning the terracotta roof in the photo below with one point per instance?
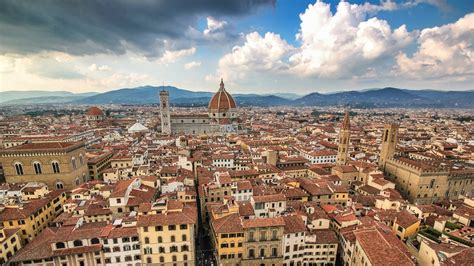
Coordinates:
(188, 216)
(294, 224)
(263, 222)
(269, 198)
(221, 101)
(95, 111)
(228, 224)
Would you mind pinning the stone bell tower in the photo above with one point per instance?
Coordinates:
(165, 112)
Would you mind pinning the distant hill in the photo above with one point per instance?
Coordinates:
(43, 100)
(141, 95)
(381, 97)
(12, 96)
(391, 97)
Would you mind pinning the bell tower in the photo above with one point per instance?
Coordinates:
(344, 139)
(165, 112)
(389, 143)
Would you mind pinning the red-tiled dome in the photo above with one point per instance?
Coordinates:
(221, 101)
(94, 111)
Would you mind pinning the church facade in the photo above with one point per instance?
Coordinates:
(221, 118)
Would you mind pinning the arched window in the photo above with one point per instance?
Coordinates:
(161, 250)
(162, 259)
(175, 258)
(147, 250)
(183, 237)
(173, 239)
(147, 240)
(81, 159)
(60, 245)
(95, 241)
(77, 181)
(185, 257)
(160, 239)
(126, 248)
(148, 260)
(84, 178)
(173, 249)
(37, 167)
(19, 168)
(73, 162)
(77, 243)
(119, 210)
(59, 185)
(55, 166)
(184, 248)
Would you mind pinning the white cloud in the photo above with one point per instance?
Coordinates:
(256, 54)
(173, 56)
(341, 45)
(95, 67)
(214, 25)
(445, 51)
(344, 44)
(192, 64)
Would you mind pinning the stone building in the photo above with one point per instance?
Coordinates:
(222, 116)
(344, 140)
(57, 164)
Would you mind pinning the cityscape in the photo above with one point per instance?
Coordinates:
(187, 133)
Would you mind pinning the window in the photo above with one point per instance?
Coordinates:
(60, 245)
(81, 159)
(147, 240)
(183, 226)
(161, 250)
(160, 239)
(171, 227)
(159, 228)
(183, 238)
(185, 248)
(95, 241)
(148, 260)
(77, 243)
(251, 253)
(55, 166)
(147, 250)
(162, 259)
(19, 169)
(263, 235)
(251, 237)
(59, 185)
(37, 166)
(274, 234)
(173, 249)
(73, 162)
(173, 239)
(262, 252)
(274, 252)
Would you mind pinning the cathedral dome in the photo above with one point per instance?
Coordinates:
(221, 101)
(94, 111)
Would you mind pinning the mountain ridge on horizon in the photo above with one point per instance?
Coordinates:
(373, 97)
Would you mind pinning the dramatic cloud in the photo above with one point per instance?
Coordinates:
(443, 52)
(344, 44)
(340, 45)
(192, 64)
(107, 26)
(257, 54)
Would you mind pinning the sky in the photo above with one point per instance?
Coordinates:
(256, 46)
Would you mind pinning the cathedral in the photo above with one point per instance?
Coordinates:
(221, 118)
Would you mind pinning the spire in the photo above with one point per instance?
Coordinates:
(346, 124)
(222, 84)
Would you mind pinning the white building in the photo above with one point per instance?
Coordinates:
(122, 246)
(293, 240)
(268, 205)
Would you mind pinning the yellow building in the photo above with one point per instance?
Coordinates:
(168, 237)
(9, 243)
(32, 217)
(227, 236)
(60, 165)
